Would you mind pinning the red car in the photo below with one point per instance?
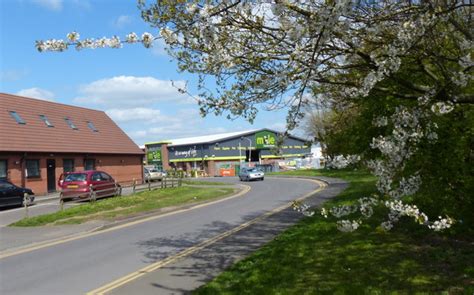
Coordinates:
(80, 184)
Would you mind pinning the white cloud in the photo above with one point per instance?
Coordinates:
(134, 114)
(55, 5)
(130, 91)
(122, 21)
(37, 93)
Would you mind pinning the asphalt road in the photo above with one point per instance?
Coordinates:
(82, 265)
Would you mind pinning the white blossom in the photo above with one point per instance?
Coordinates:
(73, 36)
(341, 161)
(348, 225)
(441, 108)
(131, 38)
(147, 40)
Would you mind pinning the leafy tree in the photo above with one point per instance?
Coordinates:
(401, 65)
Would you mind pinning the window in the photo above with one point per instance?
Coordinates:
(96, 177)
(3, 169)
(70, 123)
(46, 121)
(89, 164)
(6, 185)
(76, 177)
(91, 126)
(68, 165)
(17, 117)
(105, 176)
(32, 168)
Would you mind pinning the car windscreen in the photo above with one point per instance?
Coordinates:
(253, 170)
(76, 177)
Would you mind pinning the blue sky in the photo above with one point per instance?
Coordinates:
(131, 84)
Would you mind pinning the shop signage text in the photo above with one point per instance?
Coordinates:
(154, 156)
(265, 139)
(191, 153)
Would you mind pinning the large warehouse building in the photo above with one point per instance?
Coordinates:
(39, 140)
(223, 154)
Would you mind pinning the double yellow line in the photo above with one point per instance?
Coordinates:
(152, 267)
(62, 240)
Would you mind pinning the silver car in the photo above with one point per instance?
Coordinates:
(152, 174)
(247, 174)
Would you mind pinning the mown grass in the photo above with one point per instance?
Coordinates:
(197, 182)
(313, 257)
(124, 206)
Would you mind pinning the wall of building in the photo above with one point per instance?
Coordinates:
(122, 168)
(231, 150)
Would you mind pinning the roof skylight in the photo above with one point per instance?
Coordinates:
(46, 121)
(70, 123)
(17, 117)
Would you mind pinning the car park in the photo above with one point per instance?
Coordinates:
(153, 174)
(82, 184)
(12, 195)
(247, 174)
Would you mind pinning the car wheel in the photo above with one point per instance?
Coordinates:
(262, 178)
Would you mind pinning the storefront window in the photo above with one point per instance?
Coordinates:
(89, 164)
(32, 168)
(3, 169)
(68, 165)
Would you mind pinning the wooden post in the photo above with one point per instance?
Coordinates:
(61, 202)
(134, 185)
(92, 193)
(26, 203)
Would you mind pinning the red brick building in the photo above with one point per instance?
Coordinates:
(39, 140)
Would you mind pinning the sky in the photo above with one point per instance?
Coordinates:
(132, 84)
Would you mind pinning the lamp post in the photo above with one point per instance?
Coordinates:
(250, 147)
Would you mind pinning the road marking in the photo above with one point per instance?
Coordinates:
(152, 267)
(41, 245)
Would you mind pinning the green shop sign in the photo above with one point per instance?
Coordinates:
(265, 139)
(154, 156)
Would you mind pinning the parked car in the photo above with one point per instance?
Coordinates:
(248, 174)
(79, 184)
(152, 174)
(12, 195)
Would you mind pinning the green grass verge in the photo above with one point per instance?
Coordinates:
(119, 207)
(313, 257)
(196, 182)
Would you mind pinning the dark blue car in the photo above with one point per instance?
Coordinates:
(12, 195)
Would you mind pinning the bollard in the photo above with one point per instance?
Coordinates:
(149, 185)
(134, 185)
(26, 203)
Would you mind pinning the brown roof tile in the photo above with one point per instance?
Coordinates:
(35, 136)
